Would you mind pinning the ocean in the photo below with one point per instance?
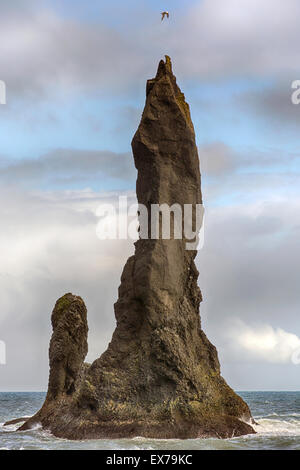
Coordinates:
(277, 415)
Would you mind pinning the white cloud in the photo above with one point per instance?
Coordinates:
(262, 342)
(249, 270)
(68, 166)
(217, 158)
(49, 247)
(44, 53)
(241, 37)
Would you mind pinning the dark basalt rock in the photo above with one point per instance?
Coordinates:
(160, 376)
(67, 351)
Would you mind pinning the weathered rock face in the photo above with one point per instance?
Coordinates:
(67, 351)
(160, 376)
(68, 345)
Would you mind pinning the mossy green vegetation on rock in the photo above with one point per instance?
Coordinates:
(160, 375)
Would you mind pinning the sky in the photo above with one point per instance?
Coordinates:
(75, 75)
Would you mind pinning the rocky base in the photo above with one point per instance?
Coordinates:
(80, 427)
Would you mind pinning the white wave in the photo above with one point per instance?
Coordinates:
(9, 428)
(35, 426)
(268, 426)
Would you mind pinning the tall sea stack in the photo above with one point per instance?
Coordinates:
(160, 375)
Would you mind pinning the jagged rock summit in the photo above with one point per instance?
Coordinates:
(160, 375)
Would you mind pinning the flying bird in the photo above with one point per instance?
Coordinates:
(164, 14)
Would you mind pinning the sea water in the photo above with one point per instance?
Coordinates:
(277, 415)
